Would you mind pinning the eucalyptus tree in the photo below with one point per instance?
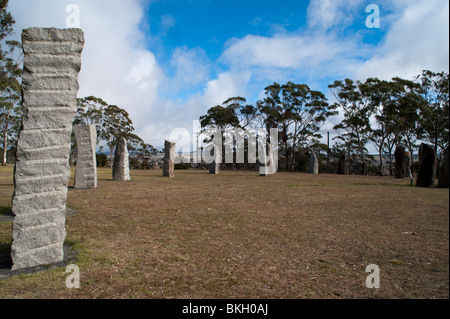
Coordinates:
(10, 89)
(434, 112)
(115, 125)
(90, 111)
(357, 112)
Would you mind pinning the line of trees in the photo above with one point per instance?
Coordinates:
(384, 113)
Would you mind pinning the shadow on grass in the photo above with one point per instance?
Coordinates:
(5, 256)
(6, 213)
(70, 255)
(381, 184)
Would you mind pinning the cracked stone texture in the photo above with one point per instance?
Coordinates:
(52, 61)
(86, 170)
(169, 159)
(121, 165)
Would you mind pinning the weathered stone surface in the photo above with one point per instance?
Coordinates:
(443, 181)
(169, 159)
(313, 163)
(342, 164)
(52, 60)
(214, 167)
(427, 166)
(408, 163)
(121, 165)
(400, 164)
(86, 170)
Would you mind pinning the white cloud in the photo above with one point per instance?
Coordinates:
(216, 91)
(118, 67)
(326, 14)
(167, 22)
(115, 64)
(316, 55)
(191, 66)
(418, 39)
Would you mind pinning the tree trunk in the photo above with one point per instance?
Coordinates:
(111, 157)
(5, 147)
(380, 152)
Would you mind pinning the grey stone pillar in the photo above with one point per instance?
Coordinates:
(342, 164)
(214, 167)
(121, 165)
(267, 162)
(86, 170)
(313, 163)
(52, 61)
(169, 159)
(400, 164)
(427, 166)
(408, 162)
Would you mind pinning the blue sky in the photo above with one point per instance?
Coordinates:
(212, 26)
(168, 61)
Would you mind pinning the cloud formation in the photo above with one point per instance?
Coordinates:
(121, 66)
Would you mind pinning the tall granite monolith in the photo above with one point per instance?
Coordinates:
(86, 169)
(408, 163)
(427, 166)
(342, 164)
(400, 164)
(169, 159)
(313, 163)
(51, 64)
(121, 165)
(443, 181)
(214, 167)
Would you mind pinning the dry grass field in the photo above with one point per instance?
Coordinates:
(238, 235)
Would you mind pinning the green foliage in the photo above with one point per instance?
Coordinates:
(10, 89)
(434, 112)
(102, 160)
(182, 166)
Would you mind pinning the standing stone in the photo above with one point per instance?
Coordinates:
(313, 163)
(444, 170)
(265, 169)
(400, 164)
(169, 159)
(86, 170)
(52, 61)
(121, 166)
(408, 162)
(214, 167)
(427, 166)
(342, 164)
